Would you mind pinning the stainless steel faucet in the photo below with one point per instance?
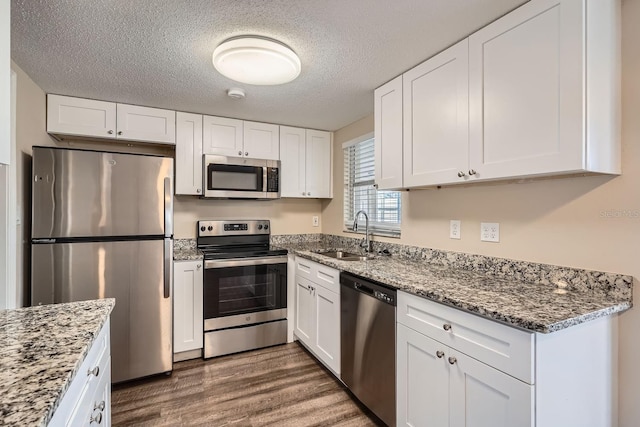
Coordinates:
(366, 242)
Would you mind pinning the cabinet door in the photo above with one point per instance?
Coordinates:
(422, 380)
(526, 91)
(261, 141)
(188, 320)
(305, 311)
(222, 136)
(189, 154)
(327, 342)
(436, 119)
(146, 124)
(388, 135)
(82, 117)
(318, 164)
(292, 162)
(482, 396)
(5, 83)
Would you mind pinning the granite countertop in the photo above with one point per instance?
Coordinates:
(532, 306)
(186, 250)
(41, 349)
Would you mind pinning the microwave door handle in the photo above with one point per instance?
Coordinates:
(264, 179)
(168, 208)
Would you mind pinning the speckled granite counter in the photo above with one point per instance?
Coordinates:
(41, 349)
(502, 290)
(185, 250)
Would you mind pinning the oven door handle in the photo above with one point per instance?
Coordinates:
(244, 262)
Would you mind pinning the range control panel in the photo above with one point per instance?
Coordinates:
(233, 228)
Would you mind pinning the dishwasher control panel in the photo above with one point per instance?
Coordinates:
(383, 296)
(373, 289)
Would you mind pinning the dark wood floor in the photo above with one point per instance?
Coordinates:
(276, 386)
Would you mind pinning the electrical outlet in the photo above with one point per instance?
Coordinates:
(489, 232)
(315, 221)
(454, 229)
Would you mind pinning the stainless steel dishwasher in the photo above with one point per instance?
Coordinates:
(368, 343)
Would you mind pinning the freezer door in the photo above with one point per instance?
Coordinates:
(133, 273)
(96, 194)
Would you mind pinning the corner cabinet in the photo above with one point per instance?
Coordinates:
(188, 164)
(535, 93)
(87, 400)
(78, 117)
(305, 157)
(388, 135)
(458, 369)
(317, 312)
(188, 318)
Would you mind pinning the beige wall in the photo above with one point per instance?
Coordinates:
(558, 221)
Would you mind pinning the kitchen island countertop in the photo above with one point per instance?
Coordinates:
(536, 307)
(41, 350)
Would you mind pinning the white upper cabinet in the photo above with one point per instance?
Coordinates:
(388, 135)
(293, 162)
(305, 157)
(261, 141)
(81, 117)
(146, 124)
(436, 119)
(222, 136)
(544, 90)
(188, 154)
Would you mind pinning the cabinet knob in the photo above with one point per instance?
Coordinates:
(97, 419)
(110, 132)
(246, 153)
(95, 371)
(440, 354)
(198, 266)
(461, 174)
(99, 406)
(309, 193)
(303, 193)
(239, 153)
(119, 132)
(198, 190)
(446, 327)
(472, 172)
(453, 360)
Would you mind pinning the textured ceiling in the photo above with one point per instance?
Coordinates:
(158, 52)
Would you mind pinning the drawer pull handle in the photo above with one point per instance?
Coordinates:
(95, 371)
(453, 360)
(99, 406)
(97, 419)
(446, 327)
(440, 354)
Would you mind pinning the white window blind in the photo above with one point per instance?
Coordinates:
(382, 207)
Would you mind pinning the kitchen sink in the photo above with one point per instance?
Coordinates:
(345, 256)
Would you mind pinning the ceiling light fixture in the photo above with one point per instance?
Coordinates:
(256, 60)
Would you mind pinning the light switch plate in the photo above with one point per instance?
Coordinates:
(489, 232)
(454, 229)
(315, 220)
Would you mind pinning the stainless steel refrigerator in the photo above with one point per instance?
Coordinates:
(102, 228)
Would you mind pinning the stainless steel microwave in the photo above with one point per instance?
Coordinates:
(241, 178)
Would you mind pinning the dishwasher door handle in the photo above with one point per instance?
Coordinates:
(362, 288)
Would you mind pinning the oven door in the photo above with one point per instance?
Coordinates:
(244, 291)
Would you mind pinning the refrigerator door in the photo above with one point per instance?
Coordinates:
(80, 193)
(132, 272)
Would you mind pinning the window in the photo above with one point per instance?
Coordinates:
(382, 207)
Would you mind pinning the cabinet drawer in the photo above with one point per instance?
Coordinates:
(505, 348)
(319, 274)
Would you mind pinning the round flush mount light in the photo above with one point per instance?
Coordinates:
(256, 60)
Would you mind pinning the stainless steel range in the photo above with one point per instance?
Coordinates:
(245, 287)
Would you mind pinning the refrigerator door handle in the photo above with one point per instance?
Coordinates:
(168, 208)
(168, 262)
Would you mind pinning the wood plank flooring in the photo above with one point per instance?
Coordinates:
(277, 386)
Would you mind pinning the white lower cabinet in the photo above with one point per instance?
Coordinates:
(188, 318)
(87, 401)
(317, 313)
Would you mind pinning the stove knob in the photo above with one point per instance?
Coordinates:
(203, 228)
(266, 226)
(259, 226)
(210, 228)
